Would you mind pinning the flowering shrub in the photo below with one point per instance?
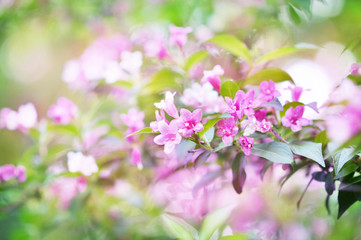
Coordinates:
(167, 123)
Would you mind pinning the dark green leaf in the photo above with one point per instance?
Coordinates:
(340, 158)
(229, 89)
(238, 173)
(202, 158)
(232, 45)
(274, 74)
(346, 198)
(277, 152)
(295, 17)
(309, 150)
(348, 168)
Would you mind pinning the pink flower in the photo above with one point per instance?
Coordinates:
(293, 118)
(260, 114)
(67, 188)
(9, 171)
(136, 159)
(213, 77)
(92, 137)
(263, 126)
(248, 103)
(234, 105)
(355, 69)
(268, 91)
(25, 118)
(155, 48)
(189, 123)
(159, 117)
(178, 35)
(134, 120)
(63, 111)
(296, 93)
(168, 105)
(169, 136)
(246, 144)
(227, 129)
(77, 162)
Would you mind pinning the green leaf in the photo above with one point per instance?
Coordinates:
(277, 152)
(288, 106)
(126, 84)
(194, 59)
(279, 53)
(309, 150)
(214, 221)
(163, 80)
(202, 158)
(232, 45)
(302, 5)
(221, 146)
(210, 123)
(235, 237)
(292, 12)
(340, 158)
(66, 129)
(355, 79)
(141, 131)
(321, 137)
(208, 136)
(274, 74)
(238, 173)
(179, 228)
(229, 89)
(346, 197)
(183, 148)
(348, 168)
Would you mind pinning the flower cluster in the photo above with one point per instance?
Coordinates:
(23, 119)
(10, 171)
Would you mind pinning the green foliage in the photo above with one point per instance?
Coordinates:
(229, 89)
(179, 228)
(277, 152)
(238, 173)
(274, 74)
(310, 150)
(194, 59)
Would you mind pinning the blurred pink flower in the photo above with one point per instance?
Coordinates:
(26, 117)
(63, 112)
(9, 171)
(134, 120)
(136, 157)
(92, 137)
(169, 136)
(355, 69)
(212, 77)
(204, 97)
(227, 129)
(67, 188)
(178, 35)
(155, 48)
(246, 144)
(159, 117)
(189, 122)
(77, 162)
(293, 118)
(296, 93)
(131, 62)
(268, 91)
(167, 105)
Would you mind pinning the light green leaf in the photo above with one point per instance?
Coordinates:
(277, 152)
(274, 74)
(233, 45)
(321, 137)
(279, 53)
(208, 136)
(229, 89)
(210, 123)
(310, 150)
(194, 59)
(144, 130)
(163, 80)
(235, 237)
(126, 84)
(179, 228)
(214, 221)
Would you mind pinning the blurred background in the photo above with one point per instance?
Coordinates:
(37, 37)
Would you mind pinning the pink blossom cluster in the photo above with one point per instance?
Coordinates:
(25, 118)
(63, 112)
(9, 171)
(77, 162)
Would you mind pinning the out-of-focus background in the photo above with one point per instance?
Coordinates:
(37, 37)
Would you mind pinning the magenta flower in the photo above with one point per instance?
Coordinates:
(246, 144)
(136, 158)
(248, 103)
(168, 105)
(190, 123)
(227, 129)
(212, 77)
(9, 171)
(263, 126)
(260, 114)
(169, 136)
(268, 91)
(355, 69)
(296, 93)
(77, 162)
(234, 105)
(293, 118)
(178, 35)
(63, 111)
